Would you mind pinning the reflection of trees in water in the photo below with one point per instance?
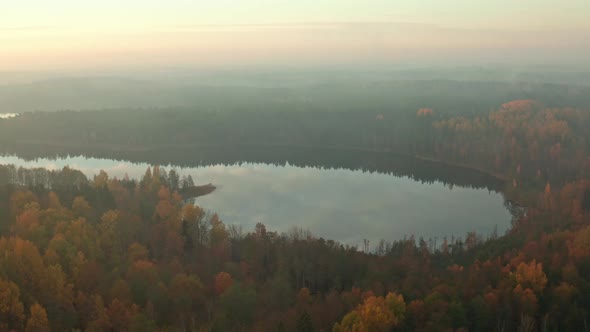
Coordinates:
(388, 163)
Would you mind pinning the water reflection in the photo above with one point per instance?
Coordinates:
(394, 164)
(340, 204)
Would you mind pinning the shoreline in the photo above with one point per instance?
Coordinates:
(130, 148)
(463, 165)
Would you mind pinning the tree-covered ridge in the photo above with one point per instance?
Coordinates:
(120, 254)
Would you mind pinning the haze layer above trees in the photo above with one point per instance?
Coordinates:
(336, 90)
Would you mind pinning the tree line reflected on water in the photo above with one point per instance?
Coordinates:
(424, 171)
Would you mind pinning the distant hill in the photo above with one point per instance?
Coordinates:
(338, 93)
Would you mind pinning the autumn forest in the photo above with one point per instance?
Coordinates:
(99, 253)
(295, 166)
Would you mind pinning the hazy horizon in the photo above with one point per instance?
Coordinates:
(71, 36)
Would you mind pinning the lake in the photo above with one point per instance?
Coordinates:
(346, 205)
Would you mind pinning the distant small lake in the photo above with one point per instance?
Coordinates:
(340, 204)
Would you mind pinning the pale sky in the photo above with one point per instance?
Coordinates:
(109, 33)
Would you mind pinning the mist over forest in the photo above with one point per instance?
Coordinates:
(480, 88)
(257, 165)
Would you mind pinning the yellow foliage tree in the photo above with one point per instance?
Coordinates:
(531, 275)
(38, 320)
(376, 313)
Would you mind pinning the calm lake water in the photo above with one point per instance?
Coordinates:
(339, 204)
